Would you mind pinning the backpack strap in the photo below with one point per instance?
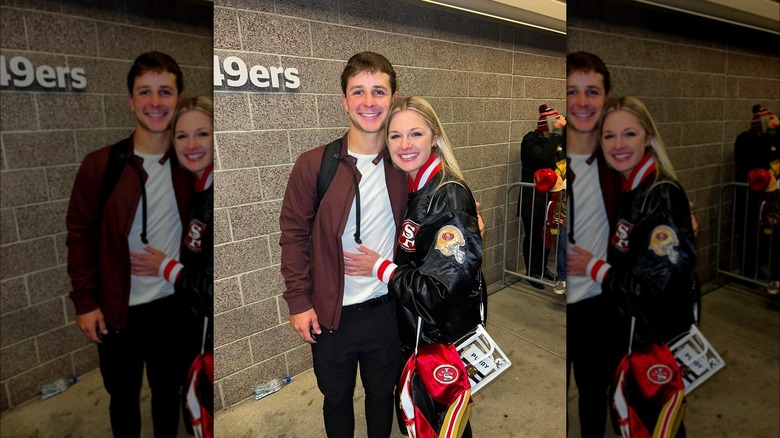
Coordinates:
(117, 156)
(331, 155)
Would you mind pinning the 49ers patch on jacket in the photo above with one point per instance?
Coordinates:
(663, 242)
(449, 240)
(622, 233)
(406, 236)
(194, 237)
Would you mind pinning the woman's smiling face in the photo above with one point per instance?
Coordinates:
(623, 140)
(410, 141)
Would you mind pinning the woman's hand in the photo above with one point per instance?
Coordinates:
(147, 263)
(361, 263)
(577, 260)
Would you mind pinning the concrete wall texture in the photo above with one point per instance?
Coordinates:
(485, 79)
(45, 134)
(699, 78)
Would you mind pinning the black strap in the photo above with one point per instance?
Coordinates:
(117, 156)
(331, 157)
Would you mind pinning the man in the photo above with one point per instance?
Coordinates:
(541, 148)
(593, 190)
(348, 320)
(133, 319)
(755, 148)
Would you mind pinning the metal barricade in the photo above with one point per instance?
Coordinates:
(743, 243)
(556, 250)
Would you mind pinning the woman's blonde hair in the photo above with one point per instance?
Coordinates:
(443, 149)
(663, 165)
(203, 104)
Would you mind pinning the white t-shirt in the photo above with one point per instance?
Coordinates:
(591, 227)
(377, 228)
(163, 228)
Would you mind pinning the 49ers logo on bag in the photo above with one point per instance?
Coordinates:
(622, 233)
(406, 236)
(194, 237)
(659, 374)
(445, 374)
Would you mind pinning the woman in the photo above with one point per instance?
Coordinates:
(193, 276)
(436, 276)
(649, 273)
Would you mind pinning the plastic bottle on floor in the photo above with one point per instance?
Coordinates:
(60, 385)
(270, 387)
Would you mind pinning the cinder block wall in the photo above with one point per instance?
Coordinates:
(485, 79)
(45, 134)
(699, 78)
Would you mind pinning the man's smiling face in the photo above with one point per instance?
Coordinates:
(585, 98)
(367, 100)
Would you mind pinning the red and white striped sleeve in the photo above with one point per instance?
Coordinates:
(597, 269)
(384, 269)
(170, 269)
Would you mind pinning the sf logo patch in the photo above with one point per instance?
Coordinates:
(659, 374)
(445, 374)
(407, 235)
(622, 233)
(663, 242)
(449, 240)
(194, 238)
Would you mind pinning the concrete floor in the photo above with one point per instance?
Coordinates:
(528, 400)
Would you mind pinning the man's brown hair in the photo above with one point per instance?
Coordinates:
(367, 62)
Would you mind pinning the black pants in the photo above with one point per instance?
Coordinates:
(534, 251)
(367, 335)
(150, 337)
(593, 350)
(748, 232)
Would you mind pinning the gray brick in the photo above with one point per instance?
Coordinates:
(262, 284)
(274, 341)
(12, 29)
(273, 34)
(237, 187)
(60, 181)
(336, 42)
(13, 295)
(83, 111)
(75, 36)
(17, 358)
(16, 112)
(239, 150)
(48, 284)
(230, 112)
(31, 321)
(187, 48)
(244, 321)
(231, 358)
(38, 149)
(244, 256)
(227, 295)
(29, 256)
(221, 226)
(317, 76)
(255, 219)
(60, 342)
(8, 233)
(42, 219)
(275, 111)
(274, 181)
(226, 34)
